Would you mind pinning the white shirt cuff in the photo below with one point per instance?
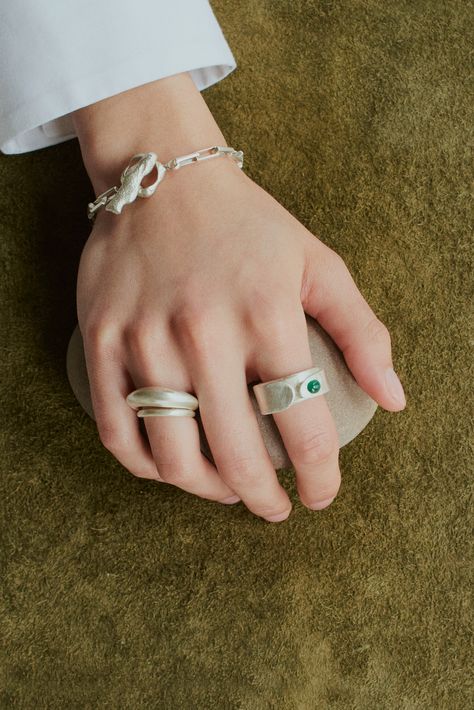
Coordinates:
(60, 55)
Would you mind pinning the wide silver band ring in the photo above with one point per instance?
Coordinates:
(161, 397)
(277, 395)
(165, 412)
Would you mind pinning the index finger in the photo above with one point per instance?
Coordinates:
(307, 427)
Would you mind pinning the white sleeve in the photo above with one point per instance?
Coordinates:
(59, 55)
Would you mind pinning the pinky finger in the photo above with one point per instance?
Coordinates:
(117, 424)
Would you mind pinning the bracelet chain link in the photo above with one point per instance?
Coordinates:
(130, 187)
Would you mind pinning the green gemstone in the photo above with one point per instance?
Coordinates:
(313, 386)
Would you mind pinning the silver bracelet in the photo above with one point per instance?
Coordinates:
(140, 165)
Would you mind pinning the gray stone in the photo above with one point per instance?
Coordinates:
(350, 406)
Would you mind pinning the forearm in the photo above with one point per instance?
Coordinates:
(168, 116)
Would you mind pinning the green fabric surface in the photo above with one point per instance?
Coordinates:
(117, 592)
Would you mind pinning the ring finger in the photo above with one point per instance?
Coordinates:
(174, 440)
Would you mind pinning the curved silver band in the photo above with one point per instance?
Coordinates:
(161, 397)
(165, 412)
(277, 395)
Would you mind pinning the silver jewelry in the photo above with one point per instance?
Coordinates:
(277, 395)
(165, 412)
(114, 199)
(161, 397)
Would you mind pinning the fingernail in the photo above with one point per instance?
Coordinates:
(279, 517)
(232, 499)
(321, 504)
(394, 386)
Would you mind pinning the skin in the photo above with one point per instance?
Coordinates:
(178, 290)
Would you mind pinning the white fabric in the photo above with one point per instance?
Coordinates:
(59, 55)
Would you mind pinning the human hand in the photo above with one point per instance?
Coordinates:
(204, 287)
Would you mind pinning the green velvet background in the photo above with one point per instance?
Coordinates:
(120, 593)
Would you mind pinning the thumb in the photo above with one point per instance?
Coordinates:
(330, 295)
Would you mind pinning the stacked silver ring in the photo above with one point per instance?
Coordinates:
(162, 402)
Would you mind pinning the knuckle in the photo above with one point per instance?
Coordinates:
(176, 473)
(193, 318)
(377, 332)
(142, 338)
(194, 300)
(193, 293)
(328, 259)
(241, 469)
(338, 268)
(273, 323)
(266, 300)
(100, 334)
(316, 446)
(337, 262)
(276, 329)
(261, 299)
(112, 438)
(197, 326)
(321, 258)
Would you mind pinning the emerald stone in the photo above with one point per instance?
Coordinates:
(313, 386)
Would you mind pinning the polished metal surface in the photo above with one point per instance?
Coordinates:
(163, 412)
(161, 397)
(277, 395)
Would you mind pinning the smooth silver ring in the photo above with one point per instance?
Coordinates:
(165, 412)
(161, 397)
(277, 395)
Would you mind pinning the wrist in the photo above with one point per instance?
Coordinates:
(168, 117)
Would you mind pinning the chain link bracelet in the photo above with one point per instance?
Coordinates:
(114, 199)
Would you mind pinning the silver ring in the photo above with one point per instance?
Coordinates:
(277, 395)
(165, 412)
(161, 397)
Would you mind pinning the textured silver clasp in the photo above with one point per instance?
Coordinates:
(130, 187)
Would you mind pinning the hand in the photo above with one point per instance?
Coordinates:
(203, 287)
